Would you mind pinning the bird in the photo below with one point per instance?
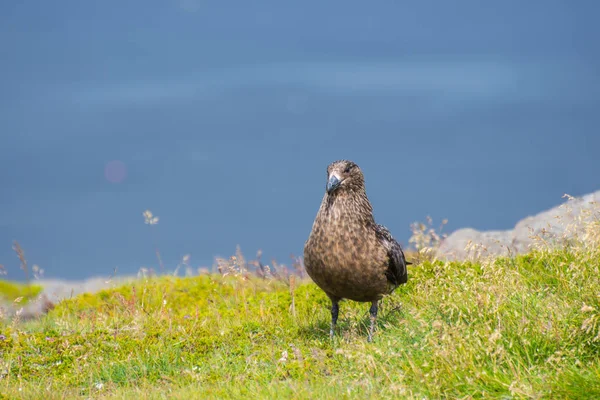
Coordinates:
(347, 254)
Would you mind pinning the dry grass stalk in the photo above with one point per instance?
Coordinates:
(426, 239)
(21, 254)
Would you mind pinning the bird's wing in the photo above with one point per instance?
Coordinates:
(396, 272)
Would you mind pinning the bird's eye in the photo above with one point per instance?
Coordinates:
(348, 168)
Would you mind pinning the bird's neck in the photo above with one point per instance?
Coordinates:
(348, 206)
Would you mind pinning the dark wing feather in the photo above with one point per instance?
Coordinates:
(396, 272)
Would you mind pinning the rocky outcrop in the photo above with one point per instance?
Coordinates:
(551, 227)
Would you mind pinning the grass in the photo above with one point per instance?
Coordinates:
(22, 293)
(505, 328)
(527, 327)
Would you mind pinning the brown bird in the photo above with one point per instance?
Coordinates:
(347, 254)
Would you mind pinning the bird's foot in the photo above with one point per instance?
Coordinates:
(371, 330)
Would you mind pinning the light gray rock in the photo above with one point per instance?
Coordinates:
(553, 227)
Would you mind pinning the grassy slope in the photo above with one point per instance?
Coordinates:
(23, 293)
(522, 328)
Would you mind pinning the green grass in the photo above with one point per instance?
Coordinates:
(23, 293)
(522, 328)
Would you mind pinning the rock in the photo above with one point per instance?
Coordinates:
(554, 226)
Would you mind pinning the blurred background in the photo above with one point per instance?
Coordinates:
(221, 117)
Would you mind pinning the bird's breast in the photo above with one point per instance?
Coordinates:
(343, 256)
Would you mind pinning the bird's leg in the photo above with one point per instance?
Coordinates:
(335, 309)
(373, 316)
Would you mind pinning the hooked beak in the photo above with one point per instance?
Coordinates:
(333, 183)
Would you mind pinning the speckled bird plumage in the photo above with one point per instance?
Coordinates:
(347, 254)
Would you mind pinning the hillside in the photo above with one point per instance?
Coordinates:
(522, 328)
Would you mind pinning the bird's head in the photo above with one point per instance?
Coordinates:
(344, 175)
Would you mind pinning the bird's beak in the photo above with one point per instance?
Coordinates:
(333, 183)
